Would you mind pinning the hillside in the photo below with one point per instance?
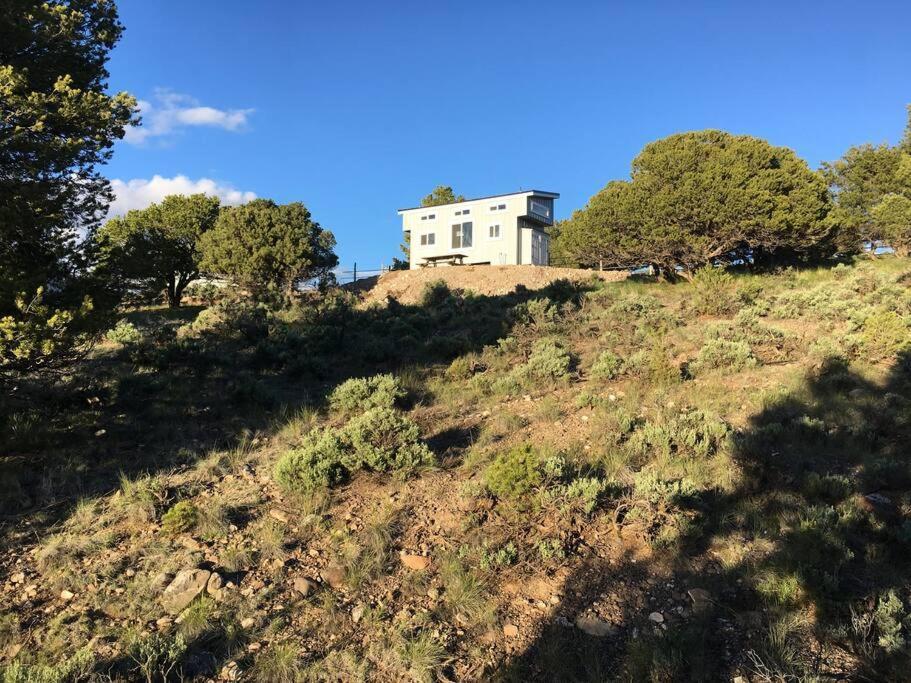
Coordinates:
(574, 481)
(407, 286)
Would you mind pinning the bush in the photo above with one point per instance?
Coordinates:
(514, 473)
(181, 517)
(363, 393)
(435, 294)
(885, 334)
(318, 463)
(714, 291)
(548, 361)
(124, 333)
(654, 363)
(608, 366)
(384, 439)
(722, 354)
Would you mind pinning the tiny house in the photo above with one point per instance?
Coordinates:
(503, 229)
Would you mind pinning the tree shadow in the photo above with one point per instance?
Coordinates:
(800, 571)
(170, 400)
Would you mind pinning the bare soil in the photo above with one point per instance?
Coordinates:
(406, 286)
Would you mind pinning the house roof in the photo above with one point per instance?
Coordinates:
(540, 193)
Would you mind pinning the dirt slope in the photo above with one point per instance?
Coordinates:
(406, 285)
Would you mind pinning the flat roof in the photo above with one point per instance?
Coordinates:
(552, 195)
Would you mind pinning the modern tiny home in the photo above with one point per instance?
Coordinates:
(504, 229)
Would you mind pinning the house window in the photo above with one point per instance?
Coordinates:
(498, 207)
(428, 239)
(493, 232)
(463, 212)
(541, 208)
(428, 217)
(461, 235)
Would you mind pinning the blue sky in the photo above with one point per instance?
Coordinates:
(360, 108)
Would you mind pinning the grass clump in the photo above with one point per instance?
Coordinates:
(181, 517)
(713, 291)
(363, 393)
(514, 473)
(885, 334)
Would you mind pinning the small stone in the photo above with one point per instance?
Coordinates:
(163, 623)
(67, 595)
(433, 594)
(656, 617)
(415, 562)
(253, 647)
(184, 588)
(334, 575)
(357, 613)
(215, 586)
(101, 432)
(17, 578)
(303, 585)
(248, 623)
(510, 630)
(594, 627)
(230, 672)
(280, 515)
(130, 573)
(701, 598)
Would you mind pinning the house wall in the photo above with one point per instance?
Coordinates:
(513, 246)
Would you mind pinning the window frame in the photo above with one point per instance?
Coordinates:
(428, 239)
(461, 235)
(499, 234)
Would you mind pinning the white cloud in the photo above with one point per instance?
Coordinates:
(172, 111)
(138, 193)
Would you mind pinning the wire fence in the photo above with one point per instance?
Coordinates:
(355, 272)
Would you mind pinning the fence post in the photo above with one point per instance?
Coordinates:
(355, 272)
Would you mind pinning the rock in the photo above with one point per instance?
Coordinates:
(247, 623)
(656, 617)
(230, 672)
(415, 562)
(161, 580)
(594, 626)
(701, 598)
(739, 679)
(215, 586)
(510, 630)
(67, 595)
(184, 588)
(303, 585)
(280, 515)
(19, 577)
(163, 623)
(433, 593)
(357, 613)
(334, 575)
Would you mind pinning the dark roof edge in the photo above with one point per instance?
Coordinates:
(552, 195)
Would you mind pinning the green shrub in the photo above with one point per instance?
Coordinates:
(885, 334)
(435, 294)
(181, 517)
(124, 333)
(363, 393)
(383, 439)
(888, 618)
(654, 363)
(608, 366)
(548, 361)
(722, 354)
(692, 433)
(318, 463)
(514, 473)
(713, 291)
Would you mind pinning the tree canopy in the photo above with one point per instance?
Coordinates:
(871, 184)
(441, 194)
(156, 249)
(268, 247)
(703, 197)
(57, 126)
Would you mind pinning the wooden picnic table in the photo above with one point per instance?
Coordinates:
(453, 259)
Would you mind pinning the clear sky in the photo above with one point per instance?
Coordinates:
(359, 108)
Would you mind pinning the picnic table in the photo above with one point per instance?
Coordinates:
(452, 259)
